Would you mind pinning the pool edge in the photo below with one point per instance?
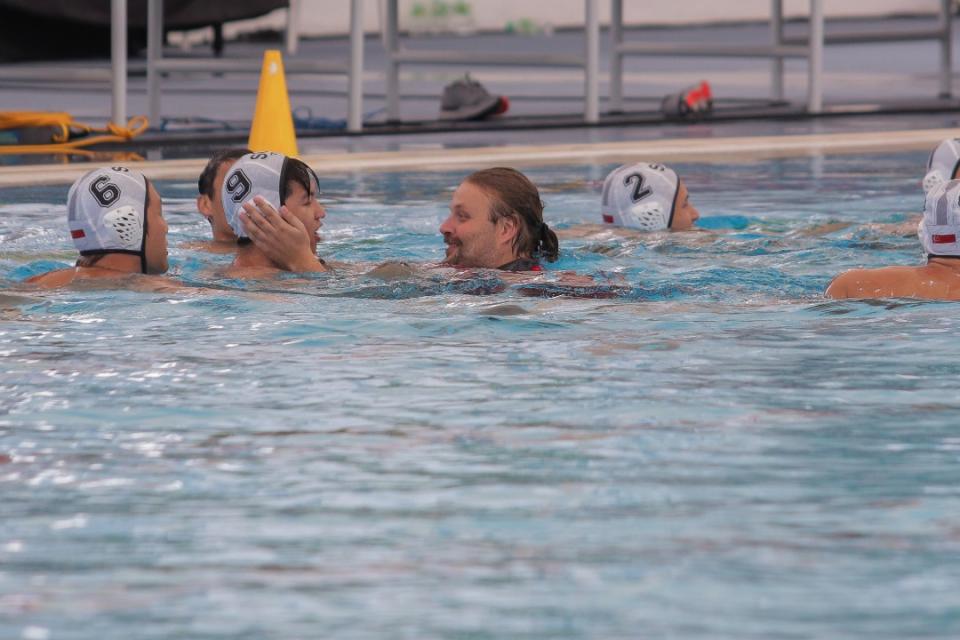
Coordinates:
(742, 148)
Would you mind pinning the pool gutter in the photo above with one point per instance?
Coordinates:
(730, 149)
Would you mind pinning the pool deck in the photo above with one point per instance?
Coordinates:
(676, 149)
(877, 96)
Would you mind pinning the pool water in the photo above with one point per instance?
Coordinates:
(716, 451)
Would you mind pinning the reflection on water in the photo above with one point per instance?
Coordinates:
(711, 450)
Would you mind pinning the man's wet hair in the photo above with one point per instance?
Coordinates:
(513, 195)
(205, 182)
(297, 171)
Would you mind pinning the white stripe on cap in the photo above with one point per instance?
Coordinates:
(106, 210)
(640, 196)
(255, 174)
(939, 230)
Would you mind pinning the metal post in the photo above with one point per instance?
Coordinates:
(616, 58)
(355, 80)
(946, 49)
(817, 168)
(154, 54)
(815, 58)
(118, 59)
(776, 65)
(393, 67)
(592, 69)
(293, 27)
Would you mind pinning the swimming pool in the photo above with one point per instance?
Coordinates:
(719, 452)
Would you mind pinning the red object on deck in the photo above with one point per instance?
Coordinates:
(699, 97)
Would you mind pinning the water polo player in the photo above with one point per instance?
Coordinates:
(939, 279)
(116, 222)
(283, 192)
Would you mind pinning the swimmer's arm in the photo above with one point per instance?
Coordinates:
(906, 228)
(74, 278)
(52, 279)
(281, 236)
(591, 230)
(581, 230)
(392, 270)
(574, 279)
(824, 229)
(860, 283)
(162, 284)
(567, 278)
(838, 286)
(211, 246)
(570, 284)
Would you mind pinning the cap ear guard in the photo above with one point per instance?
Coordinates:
(943, 164)
(939, 231)
(126, 223)
(932, 180)
(650, 217)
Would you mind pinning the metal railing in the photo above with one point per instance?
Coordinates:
(778, 50)
(157, 64)
(780, 47)
(397, 56)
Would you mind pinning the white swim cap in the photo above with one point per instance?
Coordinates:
(943, 164)
(107, 212)
(640, 196)
(255, 174)
(939, 230)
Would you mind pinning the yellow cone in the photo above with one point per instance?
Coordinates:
(272, 128)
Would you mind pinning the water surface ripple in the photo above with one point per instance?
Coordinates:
(714, 451)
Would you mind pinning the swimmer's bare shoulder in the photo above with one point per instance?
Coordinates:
(393, 270)
(91, 277)
(906, 228)
(895, 282)
(861, 283)
(267, 273)
(590, 230)
(210, 246)
(53, 279)
(248, 273)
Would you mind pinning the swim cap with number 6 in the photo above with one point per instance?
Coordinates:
(106, 211)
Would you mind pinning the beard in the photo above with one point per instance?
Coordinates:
(454, 250)
(475, 253)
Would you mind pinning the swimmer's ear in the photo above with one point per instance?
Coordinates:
(204, 205)
(507, 228)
